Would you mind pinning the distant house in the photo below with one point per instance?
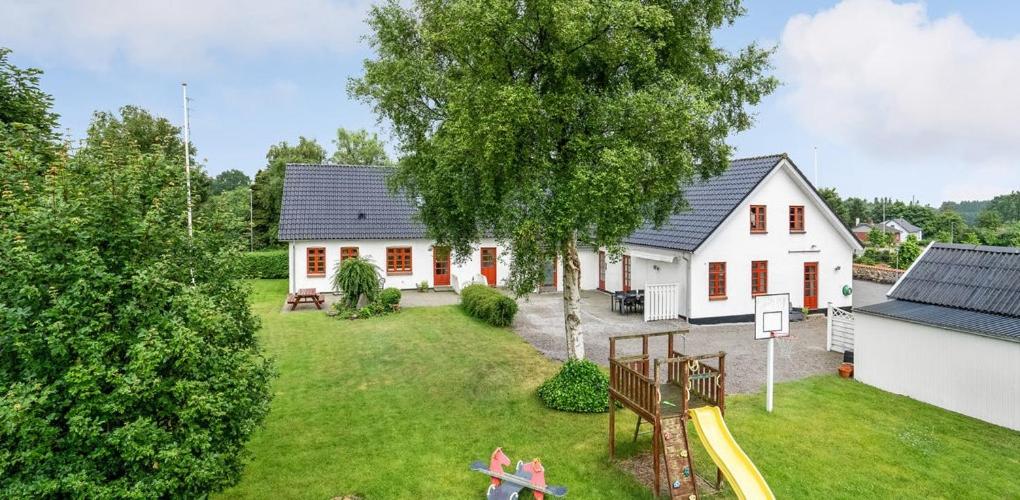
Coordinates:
(759, 227)
(898, 230)
(950, 335)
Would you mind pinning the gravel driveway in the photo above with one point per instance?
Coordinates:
(540, 322)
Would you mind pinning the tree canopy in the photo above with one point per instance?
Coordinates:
(228, 180)
(553, 123)
(358, 148)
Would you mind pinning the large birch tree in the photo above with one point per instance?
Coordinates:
(554, 124)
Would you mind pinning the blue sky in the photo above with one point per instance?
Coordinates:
(905, 99)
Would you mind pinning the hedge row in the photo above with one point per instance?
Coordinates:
(269, 264)
(488, 304)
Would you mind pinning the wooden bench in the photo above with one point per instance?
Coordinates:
(306, 295)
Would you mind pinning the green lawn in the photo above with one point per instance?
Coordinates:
(396, 407)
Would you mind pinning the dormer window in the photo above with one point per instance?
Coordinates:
(757, 218)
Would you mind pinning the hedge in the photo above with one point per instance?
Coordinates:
(269, 264)
(488, 304)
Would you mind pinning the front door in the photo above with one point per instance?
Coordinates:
(626, 273)
(489, 264)
(550, 273)
(811, 285)
(602, 270)
(441, 266)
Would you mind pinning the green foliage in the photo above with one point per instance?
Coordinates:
(229, 180)
(835, 203)
(423, 286)
(390, 297)
(267, 264)
(358, 148)
(22, 102)
(552, 122)
(488, 304)
(355, 277)
(267, 191)
(879, 237)
(580, 387)
(909, 250)
(130, 364)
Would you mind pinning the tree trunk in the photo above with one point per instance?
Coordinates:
(572, 299)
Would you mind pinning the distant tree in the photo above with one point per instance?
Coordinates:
(233, 213)
(358, 148)
(918, 215)
(22, 102)
(1010, 235)
(857, 210)
(989, 219)
(267, 191)
(879, 237)
(121, 378)
(135, 128)
(1007, 206)
(551, 124)
(27, 129)
(909, 250)
(947, 226)
(832, 199)
(229, 180)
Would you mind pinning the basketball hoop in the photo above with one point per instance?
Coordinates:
(771, 321)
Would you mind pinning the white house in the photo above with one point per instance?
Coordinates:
(759, 227)
(950, 336)
(904, 228)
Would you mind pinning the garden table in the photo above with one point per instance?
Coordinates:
(306, 295)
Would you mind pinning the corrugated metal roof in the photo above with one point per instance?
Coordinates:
(711, 201)
(970, 277)
(989, 325)
(323, 202)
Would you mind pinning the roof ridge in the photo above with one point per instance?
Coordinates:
(761, 157)
(976, 247)
(335, 165)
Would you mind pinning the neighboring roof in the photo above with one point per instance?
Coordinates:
(989, 325)
(971, 277)
(712, 200)
(329, 202)
(864, 226)
(906, 225)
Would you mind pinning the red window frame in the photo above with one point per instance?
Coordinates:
(348, 253)
(796, 218)
(315, 261)
(398, 260)
(716, 280)
(759, 277)
(758, 219)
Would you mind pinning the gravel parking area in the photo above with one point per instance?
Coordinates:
(540, 322)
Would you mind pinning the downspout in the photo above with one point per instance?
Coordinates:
(292, 257)
(690, 283)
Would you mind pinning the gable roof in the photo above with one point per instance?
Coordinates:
(906, 225)
(326, 202)
(971, 288)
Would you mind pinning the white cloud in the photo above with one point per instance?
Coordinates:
(170, 35)
(888, 79)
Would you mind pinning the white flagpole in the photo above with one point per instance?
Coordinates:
(187, 172)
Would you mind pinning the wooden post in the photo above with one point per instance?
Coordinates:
(655, 454)
(722, 408)
(612, 428)
(669, 346)
(644, 351)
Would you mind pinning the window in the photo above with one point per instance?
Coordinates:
(757, 218)
(796, 219)
(348, 253)
(759, 277)
(398, 260)
(316, 261)
(716, 280)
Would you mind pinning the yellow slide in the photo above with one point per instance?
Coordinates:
(742, 475)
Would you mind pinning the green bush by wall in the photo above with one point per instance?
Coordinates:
(269, 264)
(488, 304)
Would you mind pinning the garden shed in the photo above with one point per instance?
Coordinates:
(950, 335)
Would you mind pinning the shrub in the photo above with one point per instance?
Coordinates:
(579, 387)
(267, 265)
(355, 277)
(390, 298)
(488, 304)
(423, 286)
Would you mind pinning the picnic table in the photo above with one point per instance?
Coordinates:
(306, 295)
(627, 301)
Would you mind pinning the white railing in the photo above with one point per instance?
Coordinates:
(839, 329)
(662, 301)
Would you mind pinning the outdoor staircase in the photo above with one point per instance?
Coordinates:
(676, 451)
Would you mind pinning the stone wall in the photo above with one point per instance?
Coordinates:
(878, 274)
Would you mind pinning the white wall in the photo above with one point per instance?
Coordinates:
(421, 262)
(785, 252)
(645, 271)
(966, 373)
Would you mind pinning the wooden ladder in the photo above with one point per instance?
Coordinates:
(676, 453)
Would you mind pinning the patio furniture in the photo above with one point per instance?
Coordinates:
(629, 301)
(616, 301)
(306, 295)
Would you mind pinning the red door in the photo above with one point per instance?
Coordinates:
(489, 264)
(602, 270)
(626, 273)
(811, 285)
(440, 266)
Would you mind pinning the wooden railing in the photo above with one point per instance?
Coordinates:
(637, 391)
(698, 378)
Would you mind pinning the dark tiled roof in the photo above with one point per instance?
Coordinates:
(711, 201)
(322, 202)
(969, 277)
(905, 224)
(989, 325)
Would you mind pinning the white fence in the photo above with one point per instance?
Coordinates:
(662, 301)
(839, 330)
